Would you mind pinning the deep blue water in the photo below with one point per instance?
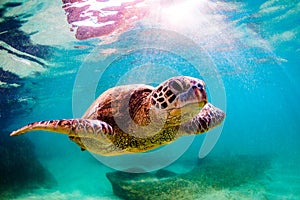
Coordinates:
(247, 52)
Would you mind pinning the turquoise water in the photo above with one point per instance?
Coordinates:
(247, 52)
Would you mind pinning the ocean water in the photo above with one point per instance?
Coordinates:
(247, 52)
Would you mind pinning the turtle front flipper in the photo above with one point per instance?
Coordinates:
(72, 127)
(95, 130)
(208, 118)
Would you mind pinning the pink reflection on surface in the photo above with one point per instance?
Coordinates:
(97, 18)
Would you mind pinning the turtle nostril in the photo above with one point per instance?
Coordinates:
(200, 86)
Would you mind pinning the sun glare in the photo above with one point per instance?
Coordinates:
(180, 13)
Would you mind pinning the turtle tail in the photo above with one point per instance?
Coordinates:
(71, 127)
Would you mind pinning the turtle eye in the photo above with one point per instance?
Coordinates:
(176, 85)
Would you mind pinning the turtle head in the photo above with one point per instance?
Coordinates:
(181, 95)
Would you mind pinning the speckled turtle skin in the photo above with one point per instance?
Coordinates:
(137, 118)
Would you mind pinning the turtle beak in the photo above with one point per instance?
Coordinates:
(200, 95)
(192, 96)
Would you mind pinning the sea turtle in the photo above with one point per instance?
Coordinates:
(137, 118)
